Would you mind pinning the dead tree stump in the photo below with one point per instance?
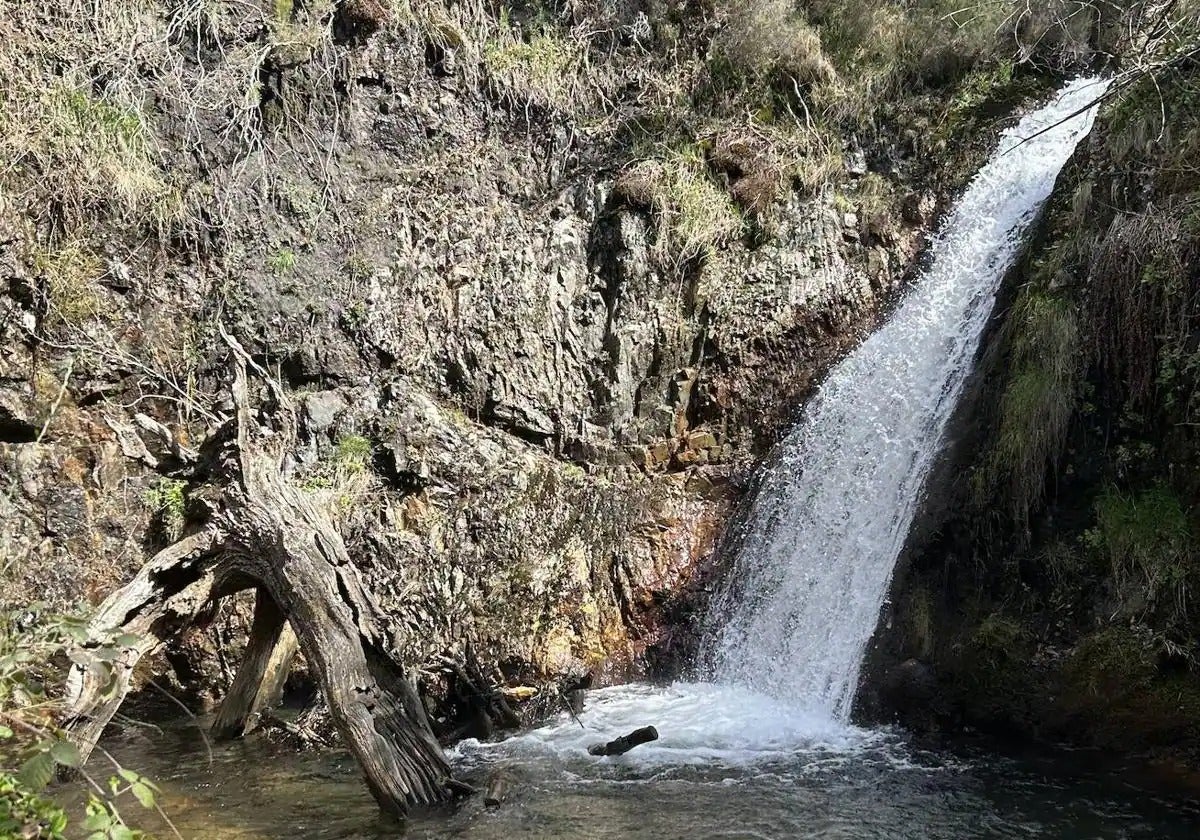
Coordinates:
(263, 533)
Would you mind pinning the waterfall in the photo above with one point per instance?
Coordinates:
(832, 514)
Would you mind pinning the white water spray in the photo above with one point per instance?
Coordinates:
(831, 517)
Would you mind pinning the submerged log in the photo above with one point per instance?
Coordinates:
(625, 743)
(496, 790)
(264, 533)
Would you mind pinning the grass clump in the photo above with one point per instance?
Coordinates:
(168, 501)
(694, 214)
(1114, 658)
(993, 663)
(884, 50)
(90, 155)
(353, 452)
(68, 277)
(343, 479)
(282, 261)
(1039, 398)
(1146, 536)
(544, 68)
(770, 43)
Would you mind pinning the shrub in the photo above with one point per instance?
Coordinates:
(32, 746)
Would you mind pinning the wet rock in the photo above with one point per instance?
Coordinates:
(919, 208)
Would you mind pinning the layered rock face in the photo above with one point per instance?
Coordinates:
(1049, 592)
(534, 362)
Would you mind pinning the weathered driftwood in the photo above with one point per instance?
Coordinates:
(625, 743)
(263, 533)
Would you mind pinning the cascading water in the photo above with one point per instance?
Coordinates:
(833, 513)
(789, 632)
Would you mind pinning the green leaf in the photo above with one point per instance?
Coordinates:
(5, 732)
(98, 819)
(106, 654)
(143, 794)
(127, 640)
(66, 753)
(128, 775)
(37, 772)
(76, 633)
(120, 832)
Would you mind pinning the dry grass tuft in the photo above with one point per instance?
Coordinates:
(694, 214)
(68, 275)
(546, 69)
(772, 42)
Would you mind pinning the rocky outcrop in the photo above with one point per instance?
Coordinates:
(527, 406)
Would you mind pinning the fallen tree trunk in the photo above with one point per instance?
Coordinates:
(264, 533)
(625, 743)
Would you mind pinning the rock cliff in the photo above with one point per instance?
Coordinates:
(544, 280)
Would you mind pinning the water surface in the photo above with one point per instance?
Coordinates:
(729, 764)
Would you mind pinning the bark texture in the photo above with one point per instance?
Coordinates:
(265, 533)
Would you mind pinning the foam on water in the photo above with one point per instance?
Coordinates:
(698, 723)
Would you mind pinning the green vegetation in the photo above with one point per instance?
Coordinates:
(1146, 537)
(543, 68)
(838, 59)
(69, 274)
(771, 45)
(344, 476)
(1116, 658)
(92, 156)
(358, 268)
(282, 261)
(32, 747)
(168, 501)
(694, 214)
(1039, 398)
(990, 669)
(353, 452)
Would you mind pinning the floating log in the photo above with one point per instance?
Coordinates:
(625, 743)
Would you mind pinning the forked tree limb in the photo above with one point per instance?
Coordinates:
(263, 532)
(259, 678)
